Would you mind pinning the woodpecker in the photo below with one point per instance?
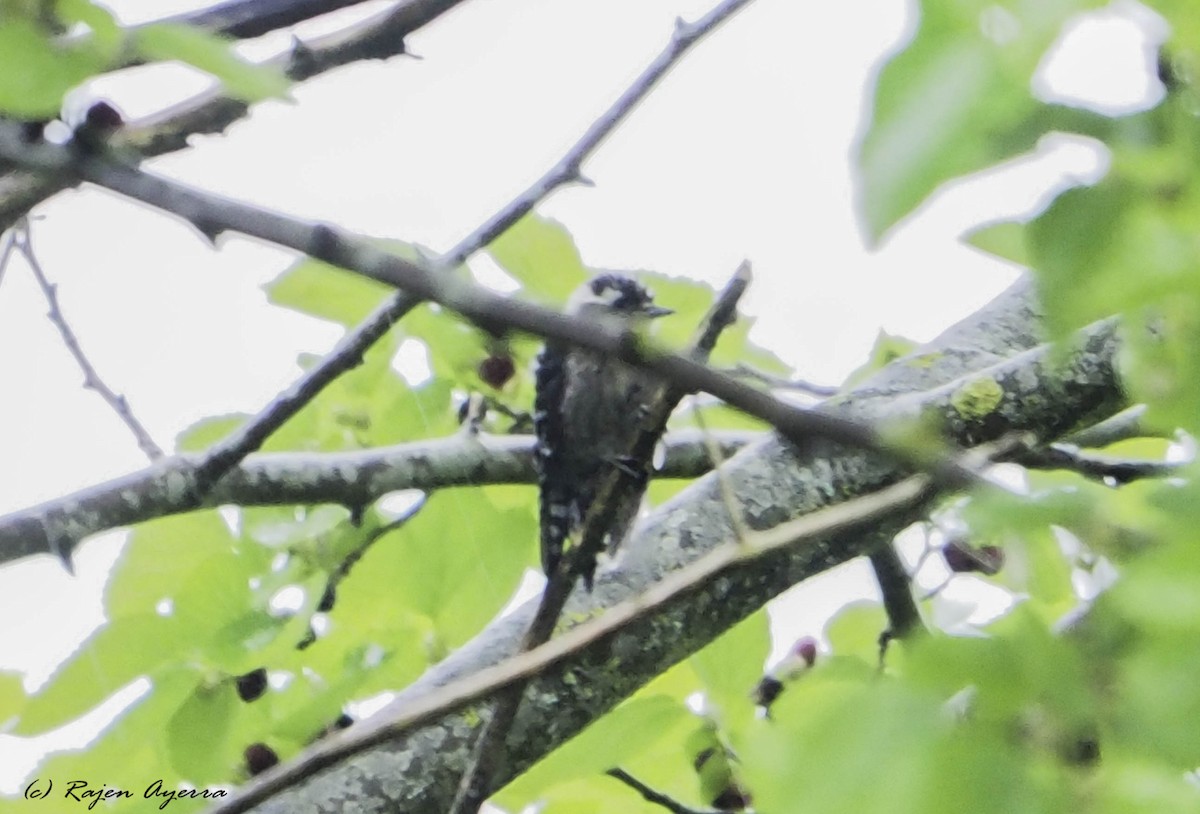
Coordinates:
(585, 415)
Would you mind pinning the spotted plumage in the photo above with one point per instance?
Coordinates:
(586, 417)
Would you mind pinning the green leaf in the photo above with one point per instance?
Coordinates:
(131, 752)
(635, 727)
(208, 431)
(109, 659)
(881, 747)
(106, 33)
(1004, 239)
(163, 556)
(36, 72)
(1034, 560)
(454, 564)
(328, 292)
(541, 255)
(197, 734)
(325, 291)
(887, 349)
(731, 666)
(12, 696)
(213, 55)
(854, 630)
(958, 99)
(370, 406)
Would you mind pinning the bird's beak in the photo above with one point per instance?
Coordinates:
(653, 311)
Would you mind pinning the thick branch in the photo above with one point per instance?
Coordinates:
(1047, 394)
(245, 19)
(273, 479)
(904, 618)
(213, 214)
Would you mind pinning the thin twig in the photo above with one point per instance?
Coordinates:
(1129, 423)
(23, 241)
(10, 245)
(651, 795)
(743, 370)
(350, 349)
(728, 496)
(378, 37)
(1107, 468)
(904, 617)
(618, 488)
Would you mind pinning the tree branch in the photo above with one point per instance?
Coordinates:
(350, 349)
(273, 479)
(904, 618)
(775, 481)
(617, 489)
(378, 37)
(526, 665)
(212, 215)
(651, 795)
(1108, 468)
(23, 242)
(246, 19)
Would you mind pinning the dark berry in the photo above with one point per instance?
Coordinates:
(259, 757)
(961, 558)
(806, 649)
(327, 598)
(496, 370)
(252, 685)
(103, 117)
(767, 691)
(732, 798)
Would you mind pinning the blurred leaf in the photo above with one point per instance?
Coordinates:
(35, 72)
(887, 349)
(731, 666)
(1034, 559)
(541, 255)
(454, 564)
(855, 629)
(105, 30)
(635, 727)
(1004, 239)
(131, 752)
(163, 555)
(897, 738)
(197, 733)
(12, 696)
(368, 407)
(321, 290)
(958, 98)
(213, 55)
(107, 660)
(208, 431)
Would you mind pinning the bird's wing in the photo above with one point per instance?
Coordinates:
(554, 489)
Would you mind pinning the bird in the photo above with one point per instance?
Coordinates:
(586, 409)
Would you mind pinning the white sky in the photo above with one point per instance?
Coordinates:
(744, 152)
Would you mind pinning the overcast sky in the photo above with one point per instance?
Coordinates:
(744, 152)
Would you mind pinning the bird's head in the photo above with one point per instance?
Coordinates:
(615, 294)
(609, 295)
